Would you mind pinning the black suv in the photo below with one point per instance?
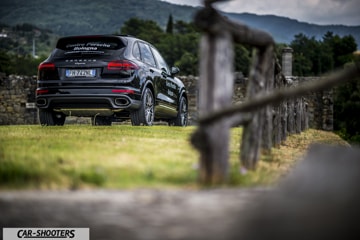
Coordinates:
(109, 78)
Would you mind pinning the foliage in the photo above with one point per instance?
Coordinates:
(122, 156)
(5, 67)
(315, 57)
(82, 17)
(170, 25)
(147, 30)
(19, 64)
(179, 44)
(346, 107)
(17, 48)
(242, 58)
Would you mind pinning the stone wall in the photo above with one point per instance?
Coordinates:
(17, 97)
(191, 84)
(319, 104)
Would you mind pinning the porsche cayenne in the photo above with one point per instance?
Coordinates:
(109, 78)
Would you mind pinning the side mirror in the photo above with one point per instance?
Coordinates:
(174, 71)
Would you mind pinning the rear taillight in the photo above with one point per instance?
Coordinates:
(122, 65)
(47, 71)
(123, 91)
(43, 91)
(46, 66)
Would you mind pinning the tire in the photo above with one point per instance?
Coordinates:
(51, 118)
(101, 121)
(182, 116)
(145, 114)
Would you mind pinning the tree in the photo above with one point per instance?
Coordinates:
(347, 102)
(242, 59)
(179, 43)
(188, 64)
(343, 50)
(5, 65)
(315, 57)
(305, 55)
(170, 25)
(147, 30)
(182, 27)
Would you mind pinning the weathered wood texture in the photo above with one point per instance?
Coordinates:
(253, 130)
(216, 88)
(277, 118)
(267, 135)
(215, 92)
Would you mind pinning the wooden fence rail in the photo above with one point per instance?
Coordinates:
(267, 115)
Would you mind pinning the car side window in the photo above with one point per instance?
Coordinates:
(136, 51)
(160, 60)
(146, 54)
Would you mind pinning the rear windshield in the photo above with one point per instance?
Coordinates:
(89, 44)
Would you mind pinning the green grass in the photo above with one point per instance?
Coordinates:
(73, 156)
(123, 156)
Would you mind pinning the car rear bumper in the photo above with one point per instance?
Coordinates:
(87, 105)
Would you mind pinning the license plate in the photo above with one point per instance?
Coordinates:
(80, 73)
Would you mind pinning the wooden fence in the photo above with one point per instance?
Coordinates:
(272, 109)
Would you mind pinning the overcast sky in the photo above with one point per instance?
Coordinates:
(322, 12)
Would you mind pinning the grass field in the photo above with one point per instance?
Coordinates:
(123, 156)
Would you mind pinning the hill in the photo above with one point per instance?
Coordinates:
(284, 29)
(68, 17)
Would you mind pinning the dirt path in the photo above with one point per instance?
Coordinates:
(137, 214)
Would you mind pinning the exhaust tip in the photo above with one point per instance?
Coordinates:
(122, 101)
(41, 102)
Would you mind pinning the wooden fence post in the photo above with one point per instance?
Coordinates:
(215, 92)
(216, 89)
(298, 112)
(267, 134)
(253, 130)
(216, 85)
(291, 116)
(277, 126)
